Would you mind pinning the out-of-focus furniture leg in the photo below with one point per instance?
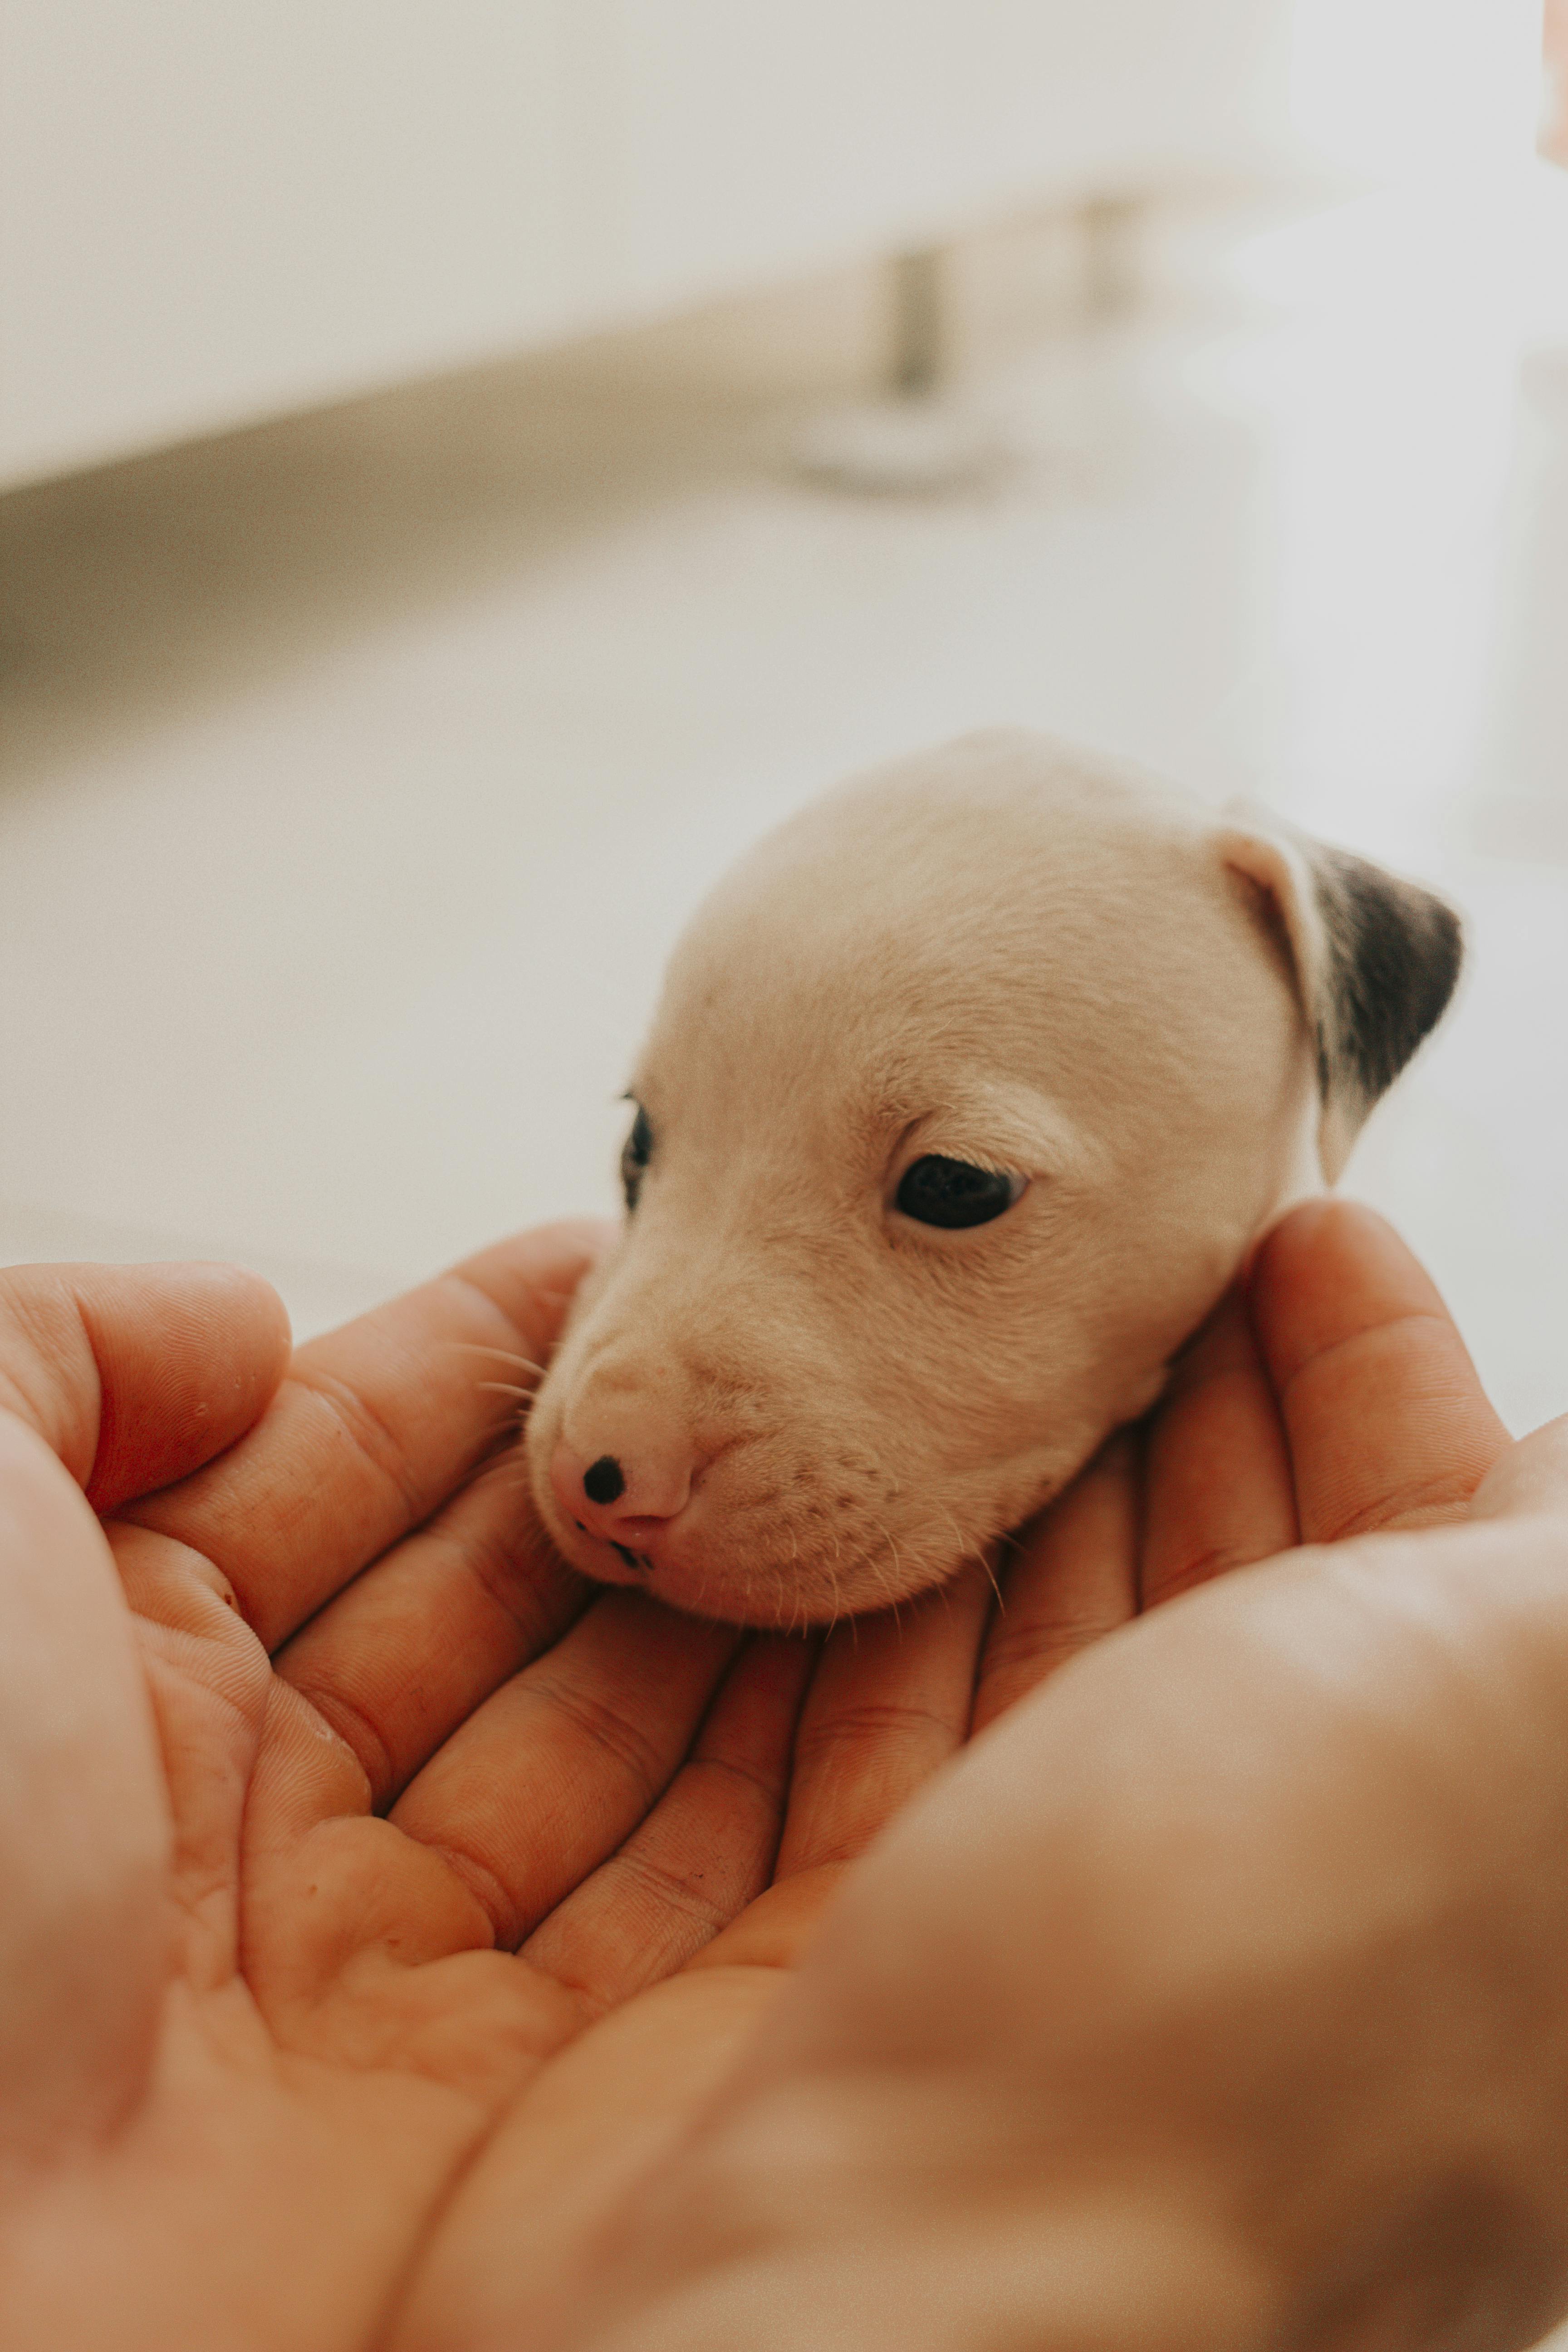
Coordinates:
(920, 439)
(919, 324)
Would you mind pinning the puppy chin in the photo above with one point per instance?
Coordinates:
(685, 1575)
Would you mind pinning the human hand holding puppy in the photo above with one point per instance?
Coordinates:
(256, 2035)
(300, 1741)
(1215, 1998)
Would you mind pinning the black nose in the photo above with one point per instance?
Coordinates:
(602, 1480)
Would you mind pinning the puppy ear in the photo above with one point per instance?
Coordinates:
(1375, 960)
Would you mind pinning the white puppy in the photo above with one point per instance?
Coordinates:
(969, 1091)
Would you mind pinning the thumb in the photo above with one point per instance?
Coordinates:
(84, 1826)
(1529, 1481)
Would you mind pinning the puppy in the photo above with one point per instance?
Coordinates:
(968, 1093)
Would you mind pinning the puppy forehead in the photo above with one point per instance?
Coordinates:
(955, 914)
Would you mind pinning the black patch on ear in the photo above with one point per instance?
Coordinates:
(1394, 957)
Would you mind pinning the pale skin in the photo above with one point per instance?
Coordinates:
(1214, 1998)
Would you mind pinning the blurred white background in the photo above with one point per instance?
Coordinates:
(211, 213)
(359, 764)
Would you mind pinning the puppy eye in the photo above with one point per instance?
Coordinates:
(950, 1192)
(635, 1154)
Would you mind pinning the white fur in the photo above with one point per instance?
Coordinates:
(1004, 952)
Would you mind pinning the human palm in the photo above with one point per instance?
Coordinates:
(274, 2074)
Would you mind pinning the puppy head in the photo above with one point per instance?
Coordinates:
(968, 1091)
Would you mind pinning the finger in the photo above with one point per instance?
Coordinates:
(84, 1827)
(704, 1853)
(562, 1764)
(1530, 1480)
(422, 1638)
(1072, 1578)
(1387, 1420)
(1217, 1486)
(888, 1702)
(775, 1931)
(134, 1375)
(375, 1425)
(208, 1684)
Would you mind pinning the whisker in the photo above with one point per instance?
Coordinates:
(890, 1582)
(504, 1355)
(786, 1590)
(983, 1555)
(838, 1608)
(898, 1570)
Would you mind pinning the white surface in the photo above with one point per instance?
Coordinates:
(358, 772)
(212, 213)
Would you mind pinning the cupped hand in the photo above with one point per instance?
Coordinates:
(1335, 1396)
(334, 1806)
(1215, 1999)
(275, 1833)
